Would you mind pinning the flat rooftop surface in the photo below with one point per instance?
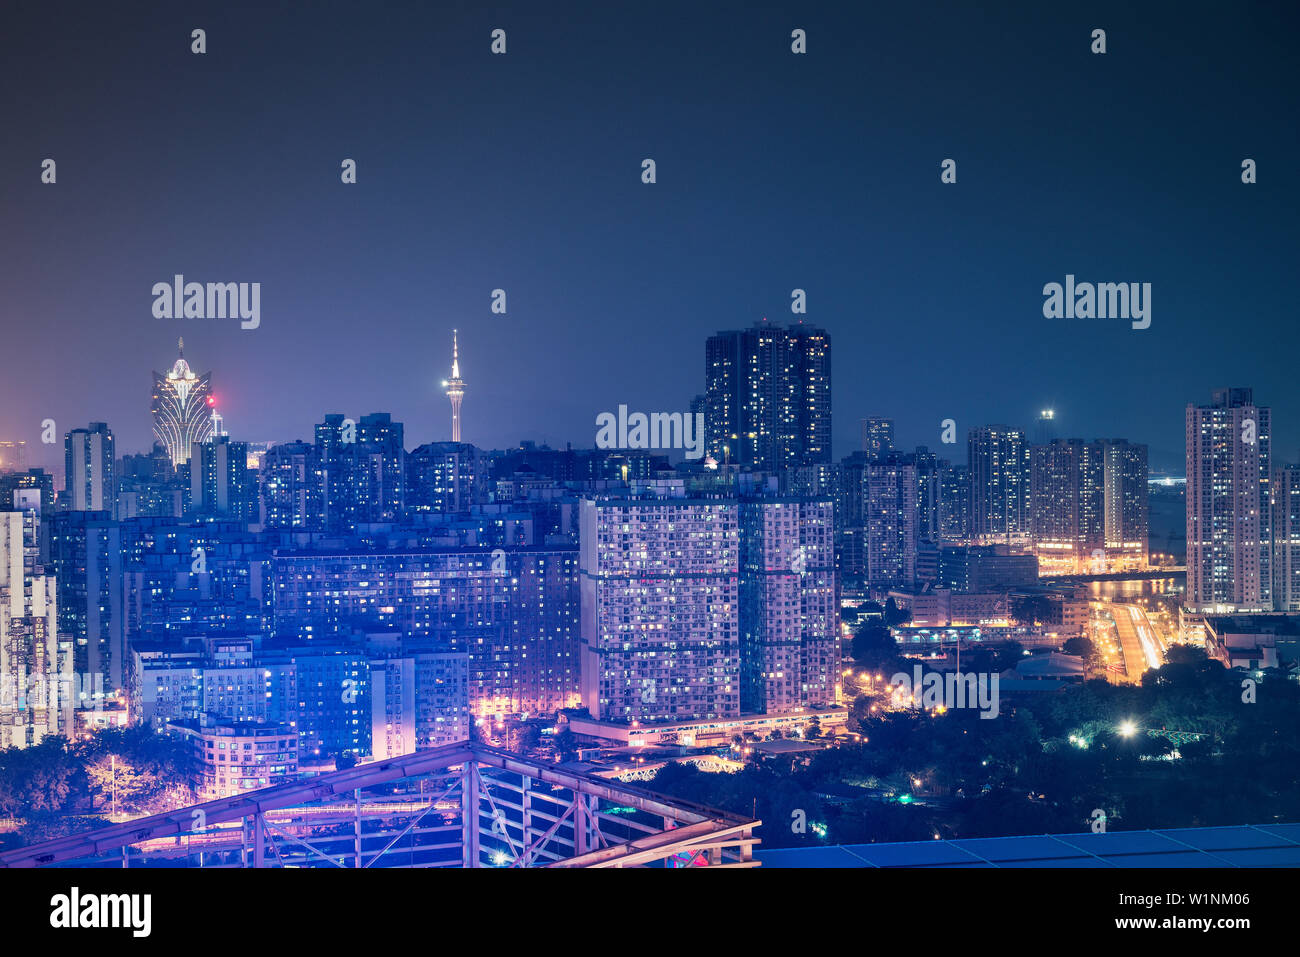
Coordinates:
(1266, 845)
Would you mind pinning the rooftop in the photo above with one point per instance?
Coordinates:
(1266, 845)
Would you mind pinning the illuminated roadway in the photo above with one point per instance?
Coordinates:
(1140, 645)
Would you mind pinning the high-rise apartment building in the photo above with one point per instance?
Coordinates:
(221, 483)
(513, 610)
(35, 660)
(890, 514)
(1089, 505)
(362, 468)
(419, 697)
(768, 396)
(36, 481)
(89, 470)
(1067, 506)
(446, 477)
(954, 524)
(928, 474)
(380, 470)
(789, 608)
(86, 558)
(998, 462)
(877, 437)
(660, 606)
(293, 494)
(184, 580)
(882, 515)
(1286, 538)
(1127, 504)
(1229, 504)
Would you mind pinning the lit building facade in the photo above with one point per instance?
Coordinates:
(181, 409)
(1286, 538)
(877, 437)
(89, 469)
(953, 508)
(221, 483)
(789, 607)
(513, 610)
(1127, 495)
(1229, 504)
(419, 699)
(890, 514)
(362, 467)
(768, 396)
(86, 558)
(660, 607)
(998, 464)
(1067, 506)
(234, 757)
(35, 661)
(293, 495)
(999, 467)
(446, 477)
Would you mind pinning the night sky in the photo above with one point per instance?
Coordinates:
(523, 172)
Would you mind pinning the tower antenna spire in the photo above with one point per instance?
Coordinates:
(455, 387)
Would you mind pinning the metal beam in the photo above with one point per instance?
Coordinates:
(98, 842)
(469, 794)
(658, 846)
(687, 826)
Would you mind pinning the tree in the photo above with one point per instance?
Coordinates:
(121, 785)
(39, 779)
(894, 615)
(525, 738)
(874, 648)
(136, 770)
(566, 744)
(1084, 648)
(1030, 609)
(1185, 655)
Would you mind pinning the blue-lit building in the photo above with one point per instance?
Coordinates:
(293, 493)
(86, 558)
(513, 609)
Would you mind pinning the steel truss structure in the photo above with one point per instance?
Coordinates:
(461, 805)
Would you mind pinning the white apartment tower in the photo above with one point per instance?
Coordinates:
(1229, 505)
(35, 667)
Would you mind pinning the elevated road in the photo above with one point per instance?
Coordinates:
(1141, 647)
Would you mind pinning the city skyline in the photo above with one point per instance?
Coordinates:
(932, 290)
(589, 436)
(50, 456)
